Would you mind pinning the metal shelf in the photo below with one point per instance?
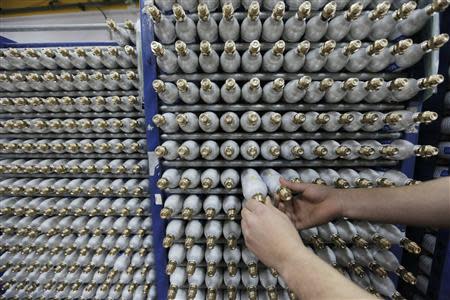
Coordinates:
(71, 71)
(73, 135)
(69, 175)
(89, 93)
(271, 76)
(279, 107)
(218, 191)
(76, 196)
(23, 115)
(281, 135)
(202, 216)
(72, 155)
(278, 163)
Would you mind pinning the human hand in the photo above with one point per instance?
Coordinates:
(314, 205)
(269, 233)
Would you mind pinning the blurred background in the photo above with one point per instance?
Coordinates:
(62, 20)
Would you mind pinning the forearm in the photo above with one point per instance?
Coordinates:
(311, 278)
(425, 204)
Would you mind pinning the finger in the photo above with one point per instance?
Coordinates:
(268, 202)
(281, 206)
(296, 187)
(245, 214)
(252, 204)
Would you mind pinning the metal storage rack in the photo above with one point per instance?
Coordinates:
(438, 279)
(150, 72)
(143, 213)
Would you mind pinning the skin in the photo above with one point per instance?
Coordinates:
(278, 244)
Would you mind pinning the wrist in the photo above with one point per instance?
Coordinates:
(290, 254)
(292, 262)
(340, 197)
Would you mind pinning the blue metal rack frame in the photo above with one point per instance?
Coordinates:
(149, 71)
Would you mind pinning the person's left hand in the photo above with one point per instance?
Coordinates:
(269, 233)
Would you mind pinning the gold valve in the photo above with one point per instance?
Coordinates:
(322, 118)
(182, 85)
(278, 11)
(380, 11)
(254, 48)
(304, 11)
(378, 270)
(231, 213)
(404, 11)
(184, 183)
(275, 118)
(162, 183)
(397, 84)
(253, 10)
(327, 47)
(205, 151)
(401, 46)
(205, 47)
(381, 242)
(165, 213)
(320, 151)
(304, 82)
(285, 194)
(154, 13)
(374, 84)
(343, 151)
(328, 11)
(182, 120)
(350, 84)
(408, 277)
(430, 81)
(206, 84)
(230, 47)
(254, 83)
(366, 151)
(354, 11)
(410, 246)
(252, 118)
(376, 47)
(299, 118)
(426, 151)
(297, 151)
(230, 84)
(278, 84)
(183, 151)
(190, 267)
(181, 48)
(189, 242)
(278, 48)
(228, 151)
(207, 183)
(363, 183)
(203, 12)
(187, 213)
(341, 183)
(157, 49)
(252, 152)
(346, 118)
(232, 242)
(437, 6)
(228, 11)
(159, 120)
(252, 269)
(389, 151)
(392, 118)
(426, 117)
(369, 118)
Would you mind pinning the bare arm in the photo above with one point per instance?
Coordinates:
(311, 278)
(272, 237)
(427, 203)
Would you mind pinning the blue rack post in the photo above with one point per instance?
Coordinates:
(149, 72)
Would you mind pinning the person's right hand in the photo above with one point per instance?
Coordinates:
(314, 205)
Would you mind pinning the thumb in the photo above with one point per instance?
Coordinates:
(268, 201)
(295, 187)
